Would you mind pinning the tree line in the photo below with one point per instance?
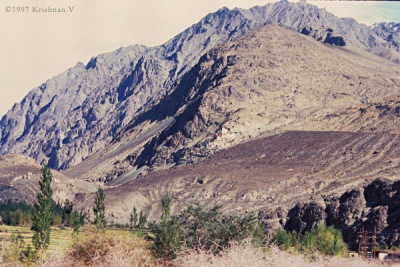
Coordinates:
(20, 214)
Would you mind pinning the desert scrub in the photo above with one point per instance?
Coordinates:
(108, 248)
(240, 254)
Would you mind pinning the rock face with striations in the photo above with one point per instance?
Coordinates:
(389, 32)
(78, 112)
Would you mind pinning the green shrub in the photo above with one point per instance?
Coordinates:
(329, 241)
(283, 239)
(326, 240)
(167, 233)
(211, 230)
(197, 227)
(16, 213)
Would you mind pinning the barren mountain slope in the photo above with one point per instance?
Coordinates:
(271, 80)
(80, 111)
(19, 181)
(267, 173)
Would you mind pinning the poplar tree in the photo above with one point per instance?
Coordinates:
(99, 210)
(76, 222)
(42, 214)
(133, 219)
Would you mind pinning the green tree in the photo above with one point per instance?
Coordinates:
(99, 209)
(133, 218)
(57, 220)
(43, 211)
(76, 222)
(326, 240)
(142, 220)
(167, 233)
(329, 241)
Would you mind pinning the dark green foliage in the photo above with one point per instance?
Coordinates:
(167, 233)
(211, 230)
(76, 222)
(99, 209)
(16, 213)
(125, 226)
(199, 228)
(42, 215)
(29, 254)
(326, 240)
(137, 222)
(64, 212)
(133, 219)
(283, 239)
(142, 220)
(77, 218)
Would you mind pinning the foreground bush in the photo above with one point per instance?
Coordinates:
(209, 229)
(197, 227)
(107, 249)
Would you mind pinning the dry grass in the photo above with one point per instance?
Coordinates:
(239, 255)
(107, 249)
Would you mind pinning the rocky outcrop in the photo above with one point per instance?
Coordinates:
(375, 206)
(389, 31)
(326, 36)
(303, 218)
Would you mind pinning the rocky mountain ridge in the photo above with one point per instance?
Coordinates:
(251, 86)
(389, 31)
(80, 111)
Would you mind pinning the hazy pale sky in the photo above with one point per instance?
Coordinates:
(36, 46)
